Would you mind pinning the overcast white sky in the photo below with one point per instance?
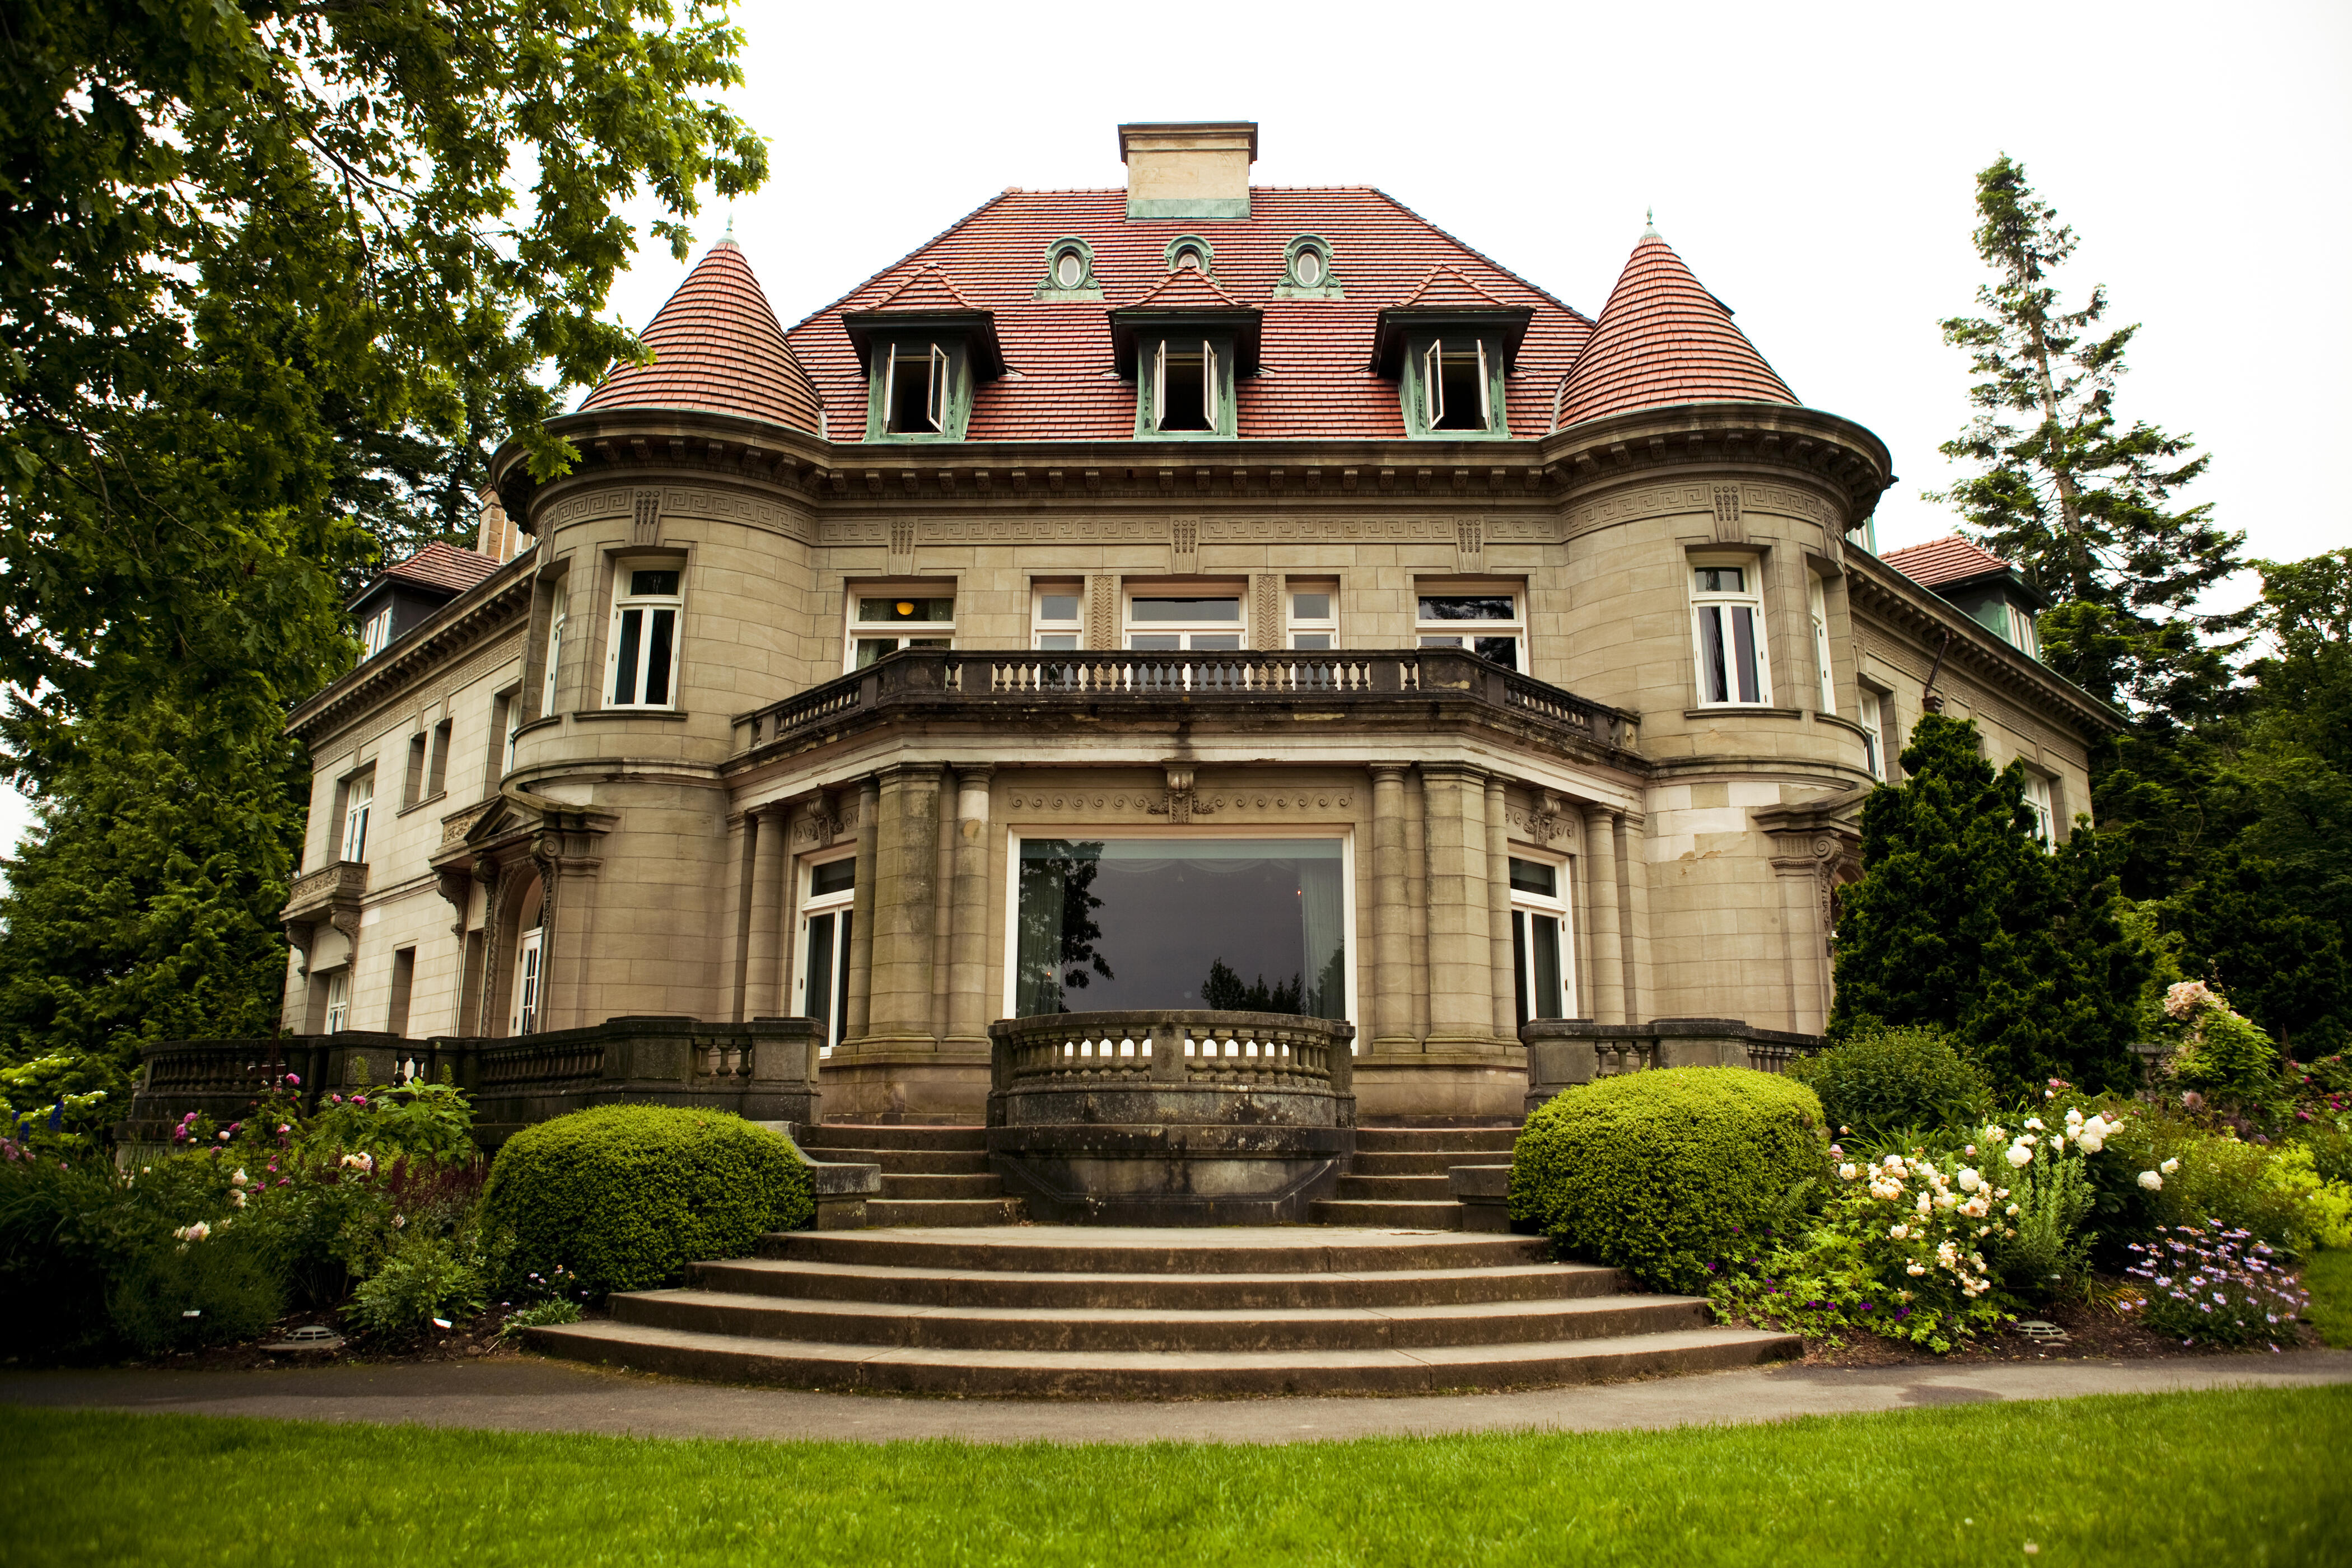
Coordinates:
(1813, 164)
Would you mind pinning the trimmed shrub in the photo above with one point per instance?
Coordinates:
(625, 1196)
(179, 1295)
(1662, 1173)
(1883, 1080)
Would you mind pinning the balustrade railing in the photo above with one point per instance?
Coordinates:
(1175, 1048)
(982, 676)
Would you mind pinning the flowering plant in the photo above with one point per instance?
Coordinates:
(2213, 1283)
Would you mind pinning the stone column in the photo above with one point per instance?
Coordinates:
(734, 909)
(1416, 898)
(969, 993)
(763, 940)
(1499, 913)
(1796, 867)
(906, 903)
(1601, 926)
(1392, 913)
(1461, 964)
(1641, 978)
(859, 1014)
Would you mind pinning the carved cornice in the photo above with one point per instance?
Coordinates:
(1820, 452)
(480, 613)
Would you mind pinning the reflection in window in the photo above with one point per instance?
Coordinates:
(1497, 637)
(1204, 623)
(887, 622)
(1728, 628)
(1238, 924)
(1539, 938)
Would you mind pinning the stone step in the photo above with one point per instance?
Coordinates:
(1445, 1215)
(933, 1213)
(894, 1135)
(1427, 1189)
(1129, 1329)
(896, 1184)
(926, 1287)
(1152, 1374)
(909, 1162)
(1121, 1249)
(1420, 1162)
(1432, 1140)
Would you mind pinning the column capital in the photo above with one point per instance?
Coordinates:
(1389, 772)
(971, 774)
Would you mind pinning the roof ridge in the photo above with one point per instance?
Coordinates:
(1178, 279)
(1451, 239)
(928, 271)
(868, 281)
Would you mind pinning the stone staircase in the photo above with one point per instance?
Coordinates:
(1400, 1177)
(930, 1176)
(1052, 1311)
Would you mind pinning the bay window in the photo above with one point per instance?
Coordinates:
(1728, 634)
(646, 606)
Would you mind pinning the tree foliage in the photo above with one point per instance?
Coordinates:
(1963, 920)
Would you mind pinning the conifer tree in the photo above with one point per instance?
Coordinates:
(1965, 920)
(2083, 501)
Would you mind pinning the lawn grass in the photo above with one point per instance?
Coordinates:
(2238, 1477)
(2328, 1276)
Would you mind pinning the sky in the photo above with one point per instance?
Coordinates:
(1813, 164)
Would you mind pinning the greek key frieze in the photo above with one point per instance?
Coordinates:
(1654, 501)
(1144, 803)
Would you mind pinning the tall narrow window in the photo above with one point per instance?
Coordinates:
(915, 387)
(1198, 624)
(359, 797)
(338, 1002)
(885, 623)
(1186, 389)
(1541, 940)
(436, 772)
(413, 785)
(529, 955)
(554, 660)
(1817, 601)
(506, 718)
(375, 633)
(1873, 742)
(2037, 799)
(644, 638)
(403, 986)
(1314, 619)
(1055, 623)
(1488, 624)
(1453, 389)
(1728, 617)
(820, 989)
(2021, 632)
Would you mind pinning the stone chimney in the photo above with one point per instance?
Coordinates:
(1189, 169)
(496, 535)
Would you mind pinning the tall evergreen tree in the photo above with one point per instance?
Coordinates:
(1964, 919)
(2083, 502)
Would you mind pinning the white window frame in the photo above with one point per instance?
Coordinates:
(359, 801)
(1433, 383)
(513, 701)
(1871, 715)
(2043, 802)
(839, 907)
(338, 1017)
(530, 980)
(1311, 634)
(1525, 908)
(1185, 631)
(1724, 603)
(1463, 633)
(555, 658)
(2023, 635)
(1817, 605)
(1211, 388)
(626, 601)
(1299, 259)
(901, 634)
(1057, 634)
(375, 633)
(1069, 256)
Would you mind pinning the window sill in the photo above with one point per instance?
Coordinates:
(420, 805)
(590, 714)
(544, 721)
(1841, 721)
(1742, 709)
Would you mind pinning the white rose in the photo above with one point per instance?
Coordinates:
(2151, 1180)
(2074, 1119)
(1847, 1172)
(1915, 1270)
(1970, 1181)
(1926, 1202)
(2033, 1124)
(2169, 1166)
(237, 1180)
(2020, 1154)
(1898, 1231)
(2092, 1142)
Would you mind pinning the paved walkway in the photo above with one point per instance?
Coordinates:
(533, 1395)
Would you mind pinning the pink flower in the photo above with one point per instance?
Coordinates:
(294, 1079)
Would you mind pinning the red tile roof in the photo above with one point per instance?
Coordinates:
(1947, 559)
(447, 566)
(927, 288)
(1446, 290)
(1313, 380)
(1184, 289)
(716, 346)
(1663, 340)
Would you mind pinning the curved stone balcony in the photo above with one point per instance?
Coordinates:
(1172, 1116)
(1022, 688)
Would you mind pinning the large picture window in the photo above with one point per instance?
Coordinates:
(1195, 623)
(1728, 629)
(820, 984)
(644, 638)
(1254, 925)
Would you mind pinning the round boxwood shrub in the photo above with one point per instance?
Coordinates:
(626, 1195)
(1660, 1173)
(1883, 1080)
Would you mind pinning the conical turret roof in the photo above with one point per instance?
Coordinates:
(1662, 339)
(716, 347)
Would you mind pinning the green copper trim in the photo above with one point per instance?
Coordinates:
(1088, 288)
(1290, 288)
(1409, 393)
(914, 344)
(1189, 242)
(1189, 206)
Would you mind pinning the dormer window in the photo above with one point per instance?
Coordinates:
(1455, 394)
(2022, 633)
(1187, 388)
(1190, 253)
(916, 393)
(1069, 271)
(375, 633)
(1450, 345)
(1306, 270)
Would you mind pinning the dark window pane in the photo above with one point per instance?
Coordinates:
(643, 584)
(1535, 877)
(1722, 580)
(1543, 937)
(1155, 642)
(1184, 610)
(1058, 642)
(1186, 382)
(624, 680)
(1743, 640)
(1713, 683)
(1519, 960)
(833, 876)
(817, 976)
(1503, 651)
(1312, 642)
(1441, 642)
(1468, 607)
(665, 631)
(871, 648)
(1459, 376)
(1310, 607)
(875, 611)
(1058, 607)
(1216, 642)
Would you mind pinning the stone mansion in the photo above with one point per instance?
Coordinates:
(1189, 596)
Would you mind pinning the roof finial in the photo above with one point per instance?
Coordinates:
(1650, 221)
(731, 224)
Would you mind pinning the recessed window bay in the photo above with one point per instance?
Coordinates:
(1252, 925)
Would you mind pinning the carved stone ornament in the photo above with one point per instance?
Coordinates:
(1178, 805)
